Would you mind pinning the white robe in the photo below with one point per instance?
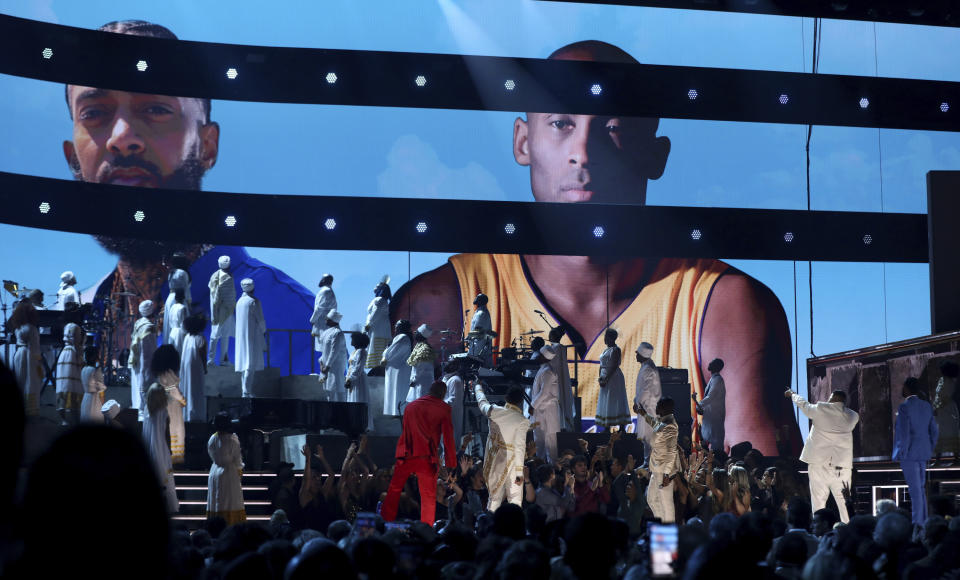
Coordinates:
(565, 399)
(333, 349)
(505, 452)
(612, 406)
(66, 295)
(142, 347)
(177, 280)
(482, 348)
(176, 315)
(155, 433)
(397, 375)
(359, 392)
(178, 431)
(223, 301)
(324, 302)
(69, 383)
(454, 398)
(27, 366)
(421, 377)
(192, 378)
(93, 385)
(251, 342)
(714, 415)
(378, 321)
(224, 492)
(648, 394)
(546, 411)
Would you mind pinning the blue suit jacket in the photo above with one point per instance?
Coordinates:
(915, 433)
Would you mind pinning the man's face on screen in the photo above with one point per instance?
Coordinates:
(589, 158)
(139, 139)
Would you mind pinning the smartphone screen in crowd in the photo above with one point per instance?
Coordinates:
(663, 548)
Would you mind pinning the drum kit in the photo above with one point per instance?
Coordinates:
(476, 344)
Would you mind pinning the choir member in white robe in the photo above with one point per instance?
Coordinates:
(93, 386)
(324, 302)
(224, 491)
(713, 407)
(561, 366)
(333, 358)
(453, 378)
(223, 302)
(422, 361)
(156, 427)
(166, 370)
(142, 346)
(251, 336)
(506, 447)
(177, 279)
(648, 393)
(173, 319)
(397, 371)
(356, 384)
(27, 364)
(612, 406)
(377, 325)
(69, 382)
(481, 326)
(193, 368)
(545, 406)
(67, 296)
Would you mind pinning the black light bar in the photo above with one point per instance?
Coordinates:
(926, 12)
(433, 225)
(445, 81)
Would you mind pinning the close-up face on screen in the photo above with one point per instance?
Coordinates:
(754, 314)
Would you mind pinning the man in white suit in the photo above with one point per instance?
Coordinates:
(828, 451)
(506, 445)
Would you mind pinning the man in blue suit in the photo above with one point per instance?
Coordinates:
(915, 436)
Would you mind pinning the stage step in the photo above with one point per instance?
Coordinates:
(192, 493)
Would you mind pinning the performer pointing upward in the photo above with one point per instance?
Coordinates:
(503, 458)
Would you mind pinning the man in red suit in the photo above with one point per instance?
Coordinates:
(425, 420)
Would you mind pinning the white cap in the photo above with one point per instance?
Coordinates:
(146, 308)
(68, 277)
(246, 284)
(645, 349)
(425, 330)
(111, 409)
(223, 262)
(334, 315)
(547, 352)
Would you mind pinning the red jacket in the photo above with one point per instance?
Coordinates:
(424, 421)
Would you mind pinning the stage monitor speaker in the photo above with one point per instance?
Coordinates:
(943, 236)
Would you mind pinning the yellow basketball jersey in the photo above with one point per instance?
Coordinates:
(668, 313)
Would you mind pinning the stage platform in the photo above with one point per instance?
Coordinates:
(876, 480)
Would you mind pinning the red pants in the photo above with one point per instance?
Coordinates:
(426, 473)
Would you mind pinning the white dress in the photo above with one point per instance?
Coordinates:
(454, 398)
(397, 375)
(546, 411)
(421, 373)
(565, 398)
(27, 367)
(612, 408)
(154, 431)
(178, 280)
(178, 432)
(323, 303)
(142, 347)
(378, 320)
(224, 492)
(192, 378)
(177, 314)
(333, 349)
(250, 339)
(92, 379)
(358, 391)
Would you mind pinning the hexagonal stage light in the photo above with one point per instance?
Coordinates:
(864, 103)
(692, 94)
(510, 84)
(47, 53)
(230, 221)
(598, 232)
(421, 227)
(330, 224)
(139, 215)
(784, 98)
(331, 77)
(232, 73)
(696, 234)
(788, 237)
(142, 65)
(509, 228)
(44, 207)
(867, 239)
(421, 81)
(944, 107)
(596, 89)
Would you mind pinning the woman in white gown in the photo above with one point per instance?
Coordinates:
(27, 359)
(224, 490)
(377, 325)
(193, 368)
(164, 365)
(612, 407)
(422, 360)
(93, 386)
(173, 322)
(357, 390)
(397, 375)
(177, 279)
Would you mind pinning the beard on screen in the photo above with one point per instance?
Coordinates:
(188, 176)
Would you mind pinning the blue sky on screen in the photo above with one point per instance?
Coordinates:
(323, 150)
